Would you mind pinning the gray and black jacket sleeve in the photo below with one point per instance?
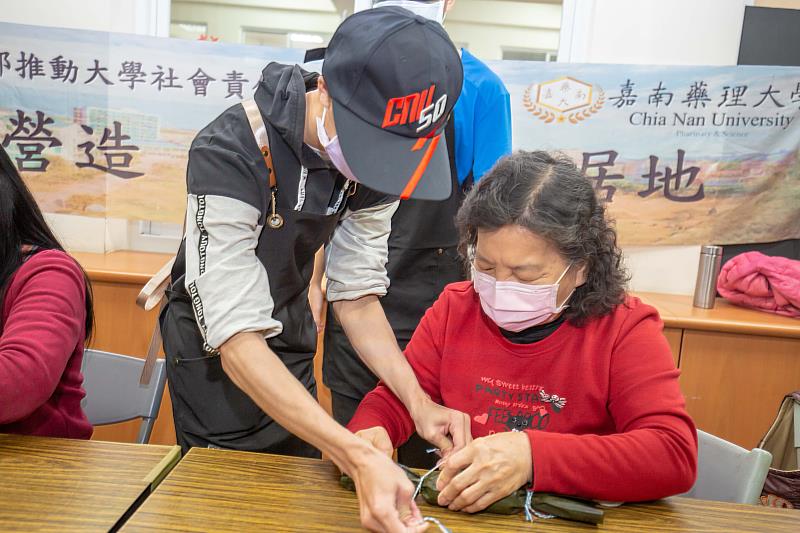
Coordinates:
(356, 257)
(228, 284)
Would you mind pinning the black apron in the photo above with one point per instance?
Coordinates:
(208, 408)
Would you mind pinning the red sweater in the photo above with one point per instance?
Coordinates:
(41, 348)
(600, 403)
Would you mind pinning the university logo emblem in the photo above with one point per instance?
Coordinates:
(563, 99)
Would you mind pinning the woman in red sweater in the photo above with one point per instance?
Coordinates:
(568, 382)
(45, 316)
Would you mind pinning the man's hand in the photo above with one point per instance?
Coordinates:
(489, 469)
(316, 291)
(447, 429)
(384, 491)
(384, 495)
(316, 299)
(379, 438)
(373, 339)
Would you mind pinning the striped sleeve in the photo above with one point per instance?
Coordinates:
(226, 281)
(228, 285)
(357, 254)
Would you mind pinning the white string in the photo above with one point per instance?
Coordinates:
(430, 519)
(436, 521)
(422, 480)
(530, 512)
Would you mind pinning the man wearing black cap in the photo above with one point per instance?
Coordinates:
(312, 160)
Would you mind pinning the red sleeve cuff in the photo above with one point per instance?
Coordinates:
(364, 419)
(543, 445)
(382, 408)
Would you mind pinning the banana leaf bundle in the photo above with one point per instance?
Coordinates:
(560, 506)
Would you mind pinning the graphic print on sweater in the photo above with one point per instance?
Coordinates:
(516, 406)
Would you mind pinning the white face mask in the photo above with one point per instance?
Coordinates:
(430, 10)
(333, 149)
(517, 306)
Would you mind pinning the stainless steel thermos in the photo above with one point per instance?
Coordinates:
(705, 289)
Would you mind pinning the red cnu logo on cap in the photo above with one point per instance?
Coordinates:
(416, 107)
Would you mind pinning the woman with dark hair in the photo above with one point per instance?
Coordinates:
(45, 318)
(569, 382)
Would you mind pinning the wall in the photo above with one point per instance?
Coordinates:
(225, 20)
(654, 32)
(785, 4)
(143, 17)
(507, 24)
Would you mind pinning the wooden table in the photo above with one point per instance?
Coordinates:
(215, 490)
(51, 484)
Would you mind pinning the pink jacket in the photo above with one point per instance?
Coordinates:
(755, 280)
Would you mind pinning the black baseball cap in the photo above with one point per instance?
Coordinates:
(394, 78)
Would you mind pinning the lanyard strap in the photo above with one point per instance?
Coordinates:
(262, 139)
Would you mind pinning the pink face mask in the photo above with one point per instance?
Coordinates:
(516, 306)
(333, 149)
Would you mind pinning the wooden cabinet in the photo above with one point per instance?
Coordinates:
(735, 383)
(122, 327)
(736, 364)
(674, 337)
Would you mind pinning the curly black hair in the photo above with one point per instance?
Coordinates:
(547, 194)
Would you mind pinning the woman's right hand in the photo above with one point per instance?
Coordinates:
(379, 438)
